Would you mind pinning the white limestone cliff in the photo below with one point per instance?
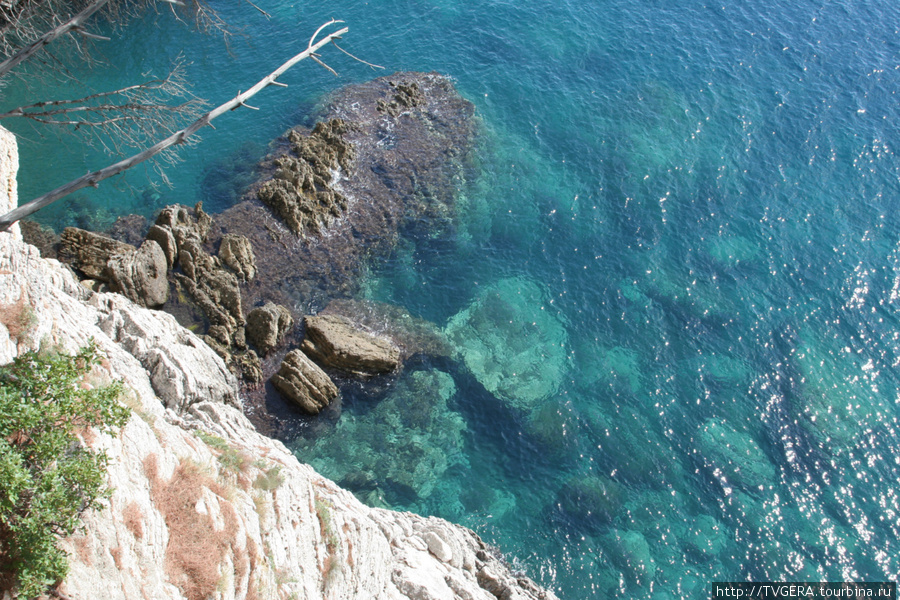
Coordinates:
(204, 506)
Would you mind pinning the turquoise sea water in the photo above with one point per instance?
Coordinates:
(674, 290)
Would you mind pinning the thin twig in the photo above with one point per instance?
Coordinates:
(74, 23)
(333, 43)
(267, 15)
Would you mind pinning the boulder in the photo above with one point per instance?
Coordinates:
(138, 274)
(335, 341)
(302, 382)
(412, 335)
(237, 253)
(89, 252)
(166, 240)
(267, 326)
(141, 275)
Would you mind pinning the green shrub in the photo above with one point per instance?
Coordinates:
(271, 480)
(47, 479)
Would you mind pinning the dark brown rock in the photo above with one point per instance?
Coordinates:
(335, 341)
(267, 326)
(302, 382)
(398, 169)
(89, 252)
(141, 275)
(237, 253)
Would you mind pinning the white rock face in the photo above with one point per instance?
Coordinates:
(203, 506)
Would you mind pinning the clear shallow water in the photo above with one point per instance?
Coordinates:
(705, 198)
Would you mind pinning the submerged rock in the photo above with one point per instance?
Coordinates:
(511, 342)
(337, 342)
(734, 456)
(630, 552)
(592, 500)
(406, 442)
(304, 383)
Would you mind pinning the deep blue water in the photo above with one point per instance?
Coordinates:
(697, 206)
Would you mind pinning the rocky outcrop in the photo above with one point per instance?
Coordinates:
(387, 156)
(212, 287)
(300, 190)
(336, 342)
(201, 504)
(303, 383)
(237, 253)
(267, 326)
(137, 273)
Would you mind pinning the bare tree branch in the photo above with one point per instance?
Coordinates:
(124, 119)
(75, 22)
(179, 137)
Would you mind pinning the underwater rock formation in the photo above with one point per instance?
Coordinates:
(410, 438)
(512, 343)
(734, 457)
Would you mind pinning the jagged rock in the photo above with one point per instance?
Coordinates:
(214, 288)
(337, 342)
(89, 252)
(138, 274)
(251, 369)
(408, 95)
(141, 275)
(267, 325)
(300, 191)
(412, 335)
(301, 381)
(166, 240)
(237, 252)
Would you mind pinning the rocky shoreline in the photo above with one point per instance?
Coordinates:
(382, 160)
(202, 502)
